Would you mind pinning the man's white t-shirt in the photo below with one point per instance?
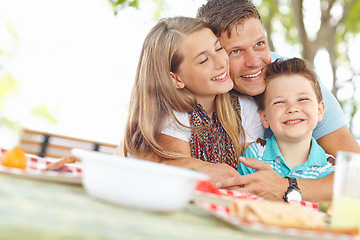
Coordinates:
(250, 120)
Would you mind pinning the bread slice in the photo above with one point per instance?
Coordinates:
(277, 213)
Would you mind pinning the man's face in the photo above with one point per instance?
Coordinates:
(249, 56)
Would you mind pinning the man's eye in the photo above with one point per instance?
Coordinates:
(261, 44)
(235, 51)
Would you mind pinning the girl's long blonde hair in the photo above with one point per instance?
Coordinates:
(154, 96)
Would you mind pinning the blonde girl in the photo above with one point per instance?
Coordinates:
(181, 89)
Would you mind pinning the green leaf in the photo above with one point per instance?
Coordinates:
(43, 112)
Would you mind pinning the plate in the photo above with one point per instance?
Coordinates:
(222, 212)
(70, 173)
(218, 205)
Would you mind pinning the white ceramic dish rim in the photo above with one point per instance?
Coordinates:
(138, 164)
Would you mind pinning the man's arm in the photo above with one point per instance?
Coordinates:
(268, 184)
(317, 190)
(340, 139)
(216, 172)
(331, 133)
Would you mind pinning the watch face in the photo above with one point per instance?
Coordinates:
(294, 195)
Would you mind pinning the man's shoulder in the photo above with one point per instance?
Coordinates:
(275, 56)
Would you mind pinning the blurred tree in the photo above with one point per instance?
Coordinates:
(9, 86)
(117, 5)
(339, 23)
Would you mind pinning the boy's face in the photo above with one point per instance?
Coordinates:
(249, 55)
(291, 108)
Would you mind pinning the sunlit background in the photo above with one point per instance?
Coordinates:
(75, 63)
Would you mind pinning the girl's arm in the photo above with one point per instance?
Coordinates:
(216, 172)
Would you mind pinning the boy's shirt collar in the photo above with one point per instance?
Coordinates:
(272, 151)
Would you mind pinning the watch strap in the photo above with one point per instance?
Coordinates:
(292, 186)
(293, 182)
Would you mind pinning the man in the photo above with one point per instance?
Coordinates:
(239, 27)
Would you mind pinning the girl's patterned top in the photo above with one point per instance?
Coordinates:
(211, 143)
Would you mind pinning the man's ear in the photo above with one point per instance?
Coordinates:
(321, 110)
(263, 119)
(177, 81)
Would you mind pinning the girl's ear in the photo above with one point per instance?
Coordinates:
(177, 81)
(263, 118)
(321, 110)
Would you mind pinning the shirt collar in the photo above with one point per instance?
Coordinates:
(317, 155)
(272, 150)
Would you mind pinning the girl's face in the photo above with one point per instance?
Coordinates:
(291, 107)
(204, 70)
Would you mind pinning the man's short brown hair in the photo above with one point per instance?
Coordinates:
(223, 15)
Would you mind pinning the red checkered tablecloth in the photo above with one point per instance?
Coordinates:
(35, 169)
(217, 202)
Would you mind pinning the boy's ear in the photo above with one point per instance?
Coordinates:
(263, 119)
(177, 81)
(321, 110)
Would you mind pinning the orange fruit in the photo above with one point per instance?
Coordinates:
(14, 158)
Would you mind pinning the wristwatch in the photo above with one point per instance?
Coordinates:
(293, 192)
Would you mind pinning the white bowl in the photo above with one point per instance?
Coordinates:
(137, 183)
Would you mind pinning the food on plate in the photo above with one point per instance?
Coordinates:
(326, 208)
(277, 213)
(14, 158)
(59, 165)
(207, 187)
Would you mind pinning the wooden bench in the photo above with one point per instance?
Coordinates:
(44, 144)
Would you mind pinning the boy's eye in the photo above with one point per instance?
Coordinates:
(303, 99)
(278, 102)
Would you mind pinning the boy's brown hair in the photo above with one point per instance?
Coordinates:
(290, 67)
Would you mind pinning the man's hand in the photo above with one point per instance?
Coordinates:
(265, 183)
(220, 171)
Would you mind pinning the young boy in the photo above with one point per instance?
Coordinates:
(291, 106)
(242, 34)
